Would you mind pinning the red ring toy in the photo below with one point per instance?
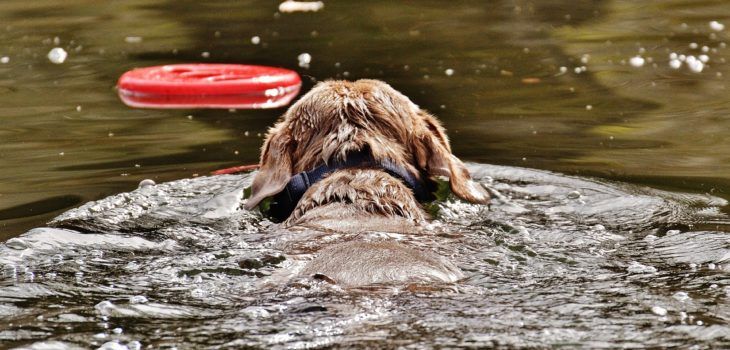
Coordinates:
(209, 86)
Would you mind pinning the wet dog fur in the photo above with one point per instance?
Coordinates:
(333, 120)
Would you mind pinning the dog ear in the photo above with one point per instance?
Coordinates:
(275, 169)
(433, 154)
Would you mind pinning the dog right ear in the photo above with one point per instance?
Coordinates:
(433, 154)
(275, 168)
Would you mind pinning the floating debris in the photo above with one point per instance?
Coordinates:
(304, 60)
(530, 80)
(255, 40)
(57, 55)
(716, 26)
(290, 6)
(637, 61)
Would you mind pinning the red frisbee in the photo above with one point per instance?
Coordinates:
(208, 86)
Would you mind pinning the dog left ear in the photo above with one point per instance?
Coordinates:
(275, 170)
(433, 154)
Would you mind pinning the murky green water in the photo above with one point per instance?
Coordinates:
(65, 139)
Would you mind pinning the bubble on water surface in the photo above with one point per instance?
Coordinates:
(694, 64)
(104, 308)
(146, 183)
(658, 310)
(449, 72)
(255, 40)
(57, 55)
(573, 195)
(304, 60)
(138, 299)
(133, 39)
(716, 26)
(113, 345)
(637, 61)
(675, 64)
(637, 268)
(290, 6)
(255, 312)
(681, 296)
(4, 59)
(16, 243)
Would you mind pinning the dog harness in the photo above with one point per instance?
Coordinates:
(283, 203)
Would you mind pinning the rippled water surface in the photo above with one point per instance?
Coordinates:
(586, 88)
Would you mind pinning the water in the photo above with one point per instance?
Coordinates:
(179, 264)
(558, 261)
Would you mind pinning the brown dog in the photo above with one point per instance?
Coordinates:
(362, 153)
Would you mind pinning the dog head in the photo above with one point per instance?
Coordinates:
(339, 117)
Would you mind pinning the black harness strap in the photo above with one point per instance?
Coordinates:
(283, 203)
